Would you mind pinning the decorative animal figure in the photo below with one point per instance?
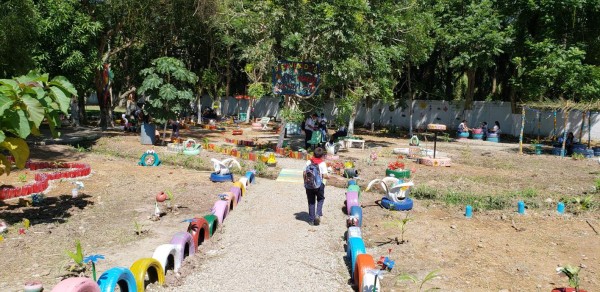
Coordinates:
(394, 190)
(223, 166)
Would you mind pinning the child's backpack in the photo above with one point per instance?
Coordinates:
(312, 177)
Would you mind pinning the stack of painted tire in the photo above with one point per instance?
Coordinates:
(493, 137)
(362, 265)
(398, 173)
(477, 134)
(166, 256)
(462, 135)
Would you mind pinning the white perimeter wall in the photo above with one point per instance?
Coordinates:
(439, 112)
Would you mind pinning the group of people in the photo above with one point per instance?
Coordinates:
(319, 123)
(485, 130)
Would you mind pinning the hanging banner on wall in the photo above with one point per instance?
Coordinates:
(301, 78)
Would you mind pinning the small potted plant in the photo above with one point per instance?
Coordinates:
(397, 170)
(573, 274)
(537, 147)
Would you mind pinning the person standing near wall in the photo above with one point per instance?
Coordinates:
(309, 127)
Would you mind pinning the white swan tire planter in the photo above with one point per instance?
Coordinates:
(117, 277)
(162, 254)
(401, 205)
(77, 284)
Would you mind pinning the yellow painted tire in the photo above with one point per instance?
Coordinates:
(149, 266)
(241, 186)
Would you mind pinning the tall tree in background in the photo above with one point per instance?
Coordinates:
(18, 33)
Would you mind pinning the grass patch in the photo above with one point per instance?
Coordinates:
(479, 202)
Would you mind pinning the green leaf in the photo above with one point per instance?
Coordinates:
(407, 277)
(34, 109)
(64, 84)
(168, 91)
(18, 149)
(60, 97)
(19, 123)
(2, 136)
(5, 103)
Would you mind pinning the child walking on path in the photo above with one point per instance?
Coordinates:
(314, 175)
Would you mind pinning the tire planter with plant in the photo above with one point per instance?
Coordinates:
(398, 173)
(150, 267)
(216, 177)
(402, 205)
(117, 276)
(76, 284)
(149, 159)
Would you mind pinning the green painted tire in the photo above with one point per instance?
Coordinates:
(213, 223)
(354, 188)
(398, 173)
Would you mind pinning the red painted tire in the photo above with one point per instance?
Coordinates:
(199, 230)
(185, 243)
(364, 262)
(220, 209)
(351, 200)
(77, 284)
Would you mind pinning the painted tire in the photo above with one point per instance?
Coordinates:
(402, 205)
(191, 152)
(117, 276)
(241, 186)
(398, 173)
(351, 182)
(231, 198)
(156, 161)
(237, 192)
(351, 200)
(364, 262)
(215, 177)
(493, 139)
(257, 125)
(77, 284)
(370, 282)
(148, 266)
(244, 181)
(356, 246)
(477, 136)
(354, 188)
(199, 230)
(357, 212)
(182, 240)
(250, 176)
(350, 173)
(213, 224)
(220, 210)
(353, 232)
(162, 254)
(463, 134)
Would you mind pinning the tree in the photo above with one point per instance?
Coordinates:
(18, 33)
(168, 85)
(25, 102)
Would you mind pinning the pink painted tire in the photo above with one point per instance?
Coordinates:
(351, 200)
(238, 193)
(220, 209)
(185, 243)
(77, 284)
(232, 199)
(199, 230)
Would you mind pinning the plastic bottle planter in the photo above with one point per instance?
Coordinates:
(398, 173)
(150, 267)
(150, 158)
(356, 246)
(169, 256)
(33, 286)
(117, 276)
(77, 284)
(401, 205)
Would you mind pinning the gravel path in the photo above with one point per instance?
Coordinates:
(266, 244)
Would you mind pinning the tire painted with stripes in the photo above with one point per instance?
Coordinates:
(162, 254)
(220, 209)
(117, 277)
(351, 200)
(353, 232)
(402, 205)
(213, 224)
(370, 282)
(357, 212)
(356, 246)
(77, 284)
(364, 262)
(150, 267)
(185, 243)
(241, 186)
(354, 188)
(238, 193)
(199, 230)
(215, 177)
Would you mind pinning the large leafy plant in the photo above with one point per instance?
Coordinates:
(25, 102)
(169, 86)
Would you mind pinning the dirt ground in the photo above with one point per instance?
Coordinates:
(497, 249)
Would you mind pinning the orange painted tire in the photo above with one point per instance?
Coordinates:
(199, 230)
(241, 186)
(364, 262)
(150, 267)
(232, 199)
(77, 284)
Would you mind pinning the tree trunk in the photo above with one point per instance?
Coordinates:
(352, 119)
(164, 138)
(200, 109)
(288, 104)
(249, 110)
(74, 111)
(81, 112)
(494, 83)
(470, 88)
(410, 104)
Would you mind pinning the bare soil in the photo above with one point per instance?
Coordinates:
(497, 249)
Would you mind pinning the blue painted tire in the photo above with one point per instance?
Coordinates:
(463, 134)
(250, 176)
(143, 160)
(351, 182)
(493, 139)
(596, 151)
(215, 177)
(478, 136)
(357, 211)
(493, 135)
(117, 276)
(356, 246)
(557, 151)
(403, 205)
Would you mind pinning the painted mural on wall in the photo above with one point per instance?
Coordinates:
(298, 78)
